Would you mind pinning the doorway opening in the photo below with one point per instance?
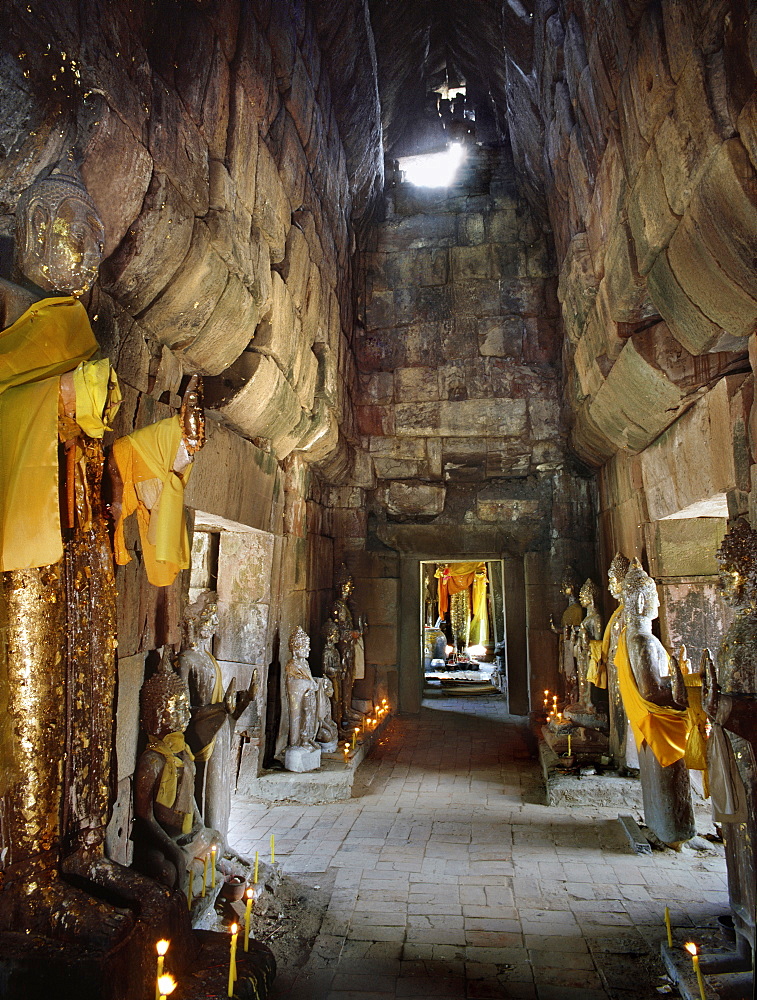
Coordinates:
(462, 618)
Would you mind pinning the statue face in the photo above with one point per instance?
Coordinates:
(209, 622)
(64, 251)
(651, 603)
(614, 585)
(177, 713)
(347, 587)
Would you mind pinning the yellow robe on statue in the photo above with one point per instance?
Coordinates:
(666, 730)
(150, 453)
(51, 338)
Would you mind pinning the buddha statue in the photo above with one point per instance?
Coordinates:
(571, 617)
(348, 636)
(622, 743)
(654, 697)
(590, 669)
(168, 830)
(331, 663)
(55, 738)
(301, 705)
(729, 697)
(210, 731)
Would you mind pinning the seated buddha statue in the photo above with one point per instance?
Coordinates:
(168, 830)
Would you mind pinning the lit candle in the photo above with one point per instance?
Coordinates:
(346, 751)
(161, 947)
(190, 891)
(692, 950)
(247, 919)
(233, 959)
(273, 854)
(667, 927)
(166, 985)
(256, 868)
(212, 867)
(204, 874)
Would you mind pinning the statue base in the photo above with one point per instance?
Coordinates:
(301, 759)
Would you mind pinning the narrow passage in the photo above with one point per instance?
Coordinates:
(456, 881)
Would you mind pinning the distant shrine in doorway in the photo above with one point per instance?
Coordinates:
(462, 609)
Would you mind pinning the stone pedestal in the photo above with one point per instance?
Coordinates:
(302, 759)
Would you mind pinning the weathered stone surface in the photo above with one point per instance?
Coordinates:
(687, 322)
(178, 149)
(277, 334)
(295, 268)
(501, 338)
(266, 405)
(114, 155)
(416, 385)
(131, 673)
(649, 215)
(153, 249)
(229, 330)
(415, 499)
(272, 211)
(183, 309)
(242, 147)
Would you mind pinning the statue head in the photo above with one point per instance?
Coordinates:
(59, 235)
(299, 643)
(164, 701)
(201, 618)
(330, 631)
(589, 595)
(640, 592)
(737, 565)
(616, 574)
(345, 582)
(192, 416)
(570, 582)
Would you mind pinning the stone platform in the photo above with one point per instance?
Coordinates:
(331, 783)
(568, 788)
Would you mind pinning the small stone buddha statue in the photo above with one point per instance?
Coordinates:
(214, 711)
(622, 744)
(348, 636)
(571, 617)
(302, 752)
(655, 700)
(331, 662)
(729, 697)
(587, 644)
(168, 830)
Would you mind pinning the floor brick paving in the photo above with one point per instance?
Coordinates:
(454, 880)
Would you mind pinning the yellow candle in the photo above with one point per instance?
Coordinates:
(256, 868)
(161, 947)
(569, 744)
(667, 927)
(204, 874)
(190, 891)
(354, 738)
(166, 985)
(212, 867)
(273, 854)
(247, 919)
(233, 960)
(692, 950)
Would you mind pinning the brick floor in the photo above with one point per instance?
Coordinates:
(454, 880)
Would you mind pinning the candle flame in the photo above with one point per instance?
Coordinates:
(691, 947)
(162, 947)
(166, 985)
(249, 893)
(234, 928)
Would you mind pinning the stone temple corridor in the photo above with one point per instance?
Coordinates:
(453, 880)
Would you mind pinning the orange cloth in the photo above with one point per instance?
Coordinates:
(150, 453)
(51, 338)
(666, 730)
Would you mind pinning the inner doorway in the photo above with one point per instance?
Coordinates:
(462, 626)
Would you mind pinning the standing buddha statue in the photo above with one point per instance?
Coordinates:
(572, 616)
(587, 644)
(655, 700)
(622, 743)
(348, 636)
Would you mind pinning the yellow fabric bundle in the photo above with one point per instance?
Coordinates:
(171, 747)
(48, 340)
(597, 672)
(98, 397)
(207, 751)
(458, 577)
(696, 745)
(150, 453)
(666, 730)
